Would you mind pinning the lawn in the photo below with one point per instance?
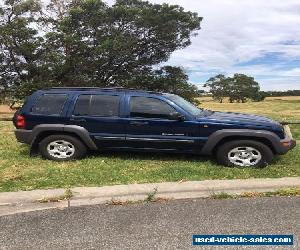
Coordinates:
(20, 172)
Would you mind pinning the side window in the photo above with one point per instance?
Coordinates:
(104, 105)
(97, 105)
(82, 105)
(148, 107)
(49, 104)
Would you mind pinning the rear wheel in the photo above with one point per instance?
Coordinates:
(62, 148)
(244, 153)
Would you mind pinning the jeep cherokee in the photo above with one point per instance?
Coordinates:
(64, 123)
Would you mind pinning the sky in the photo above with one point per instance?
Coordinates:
(255, 37)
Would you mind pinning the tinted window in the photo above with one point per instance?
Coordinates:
(150, 108)
(184, 104)
(82, 105)
(104, 105)
(50, 104)
(97, 105)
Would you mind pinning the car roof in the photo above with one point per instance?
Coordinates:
(97, 89)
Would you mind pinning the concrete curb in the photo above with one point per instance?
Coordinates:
(24, 201)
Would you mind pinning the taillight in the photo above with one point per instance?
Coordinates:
(20, 121)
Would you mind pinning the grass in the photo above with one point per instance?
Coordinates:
(66, 196)
(151, 196)
(280, 108)
(18, 171)
(222, 195)
(280, 192)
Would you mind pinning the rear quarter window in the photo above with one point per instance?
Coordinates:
(49, 104)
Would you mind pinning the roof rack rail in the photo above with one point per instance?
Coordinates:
(86, 88)
(103, 89)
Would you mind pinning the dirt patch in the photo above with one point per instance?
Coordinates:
(4, 109)
(14, 173)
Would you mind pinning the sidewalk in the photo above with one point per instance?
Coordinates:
(24, 201)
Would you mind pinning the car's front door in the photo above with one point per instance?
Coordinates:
(151, 125)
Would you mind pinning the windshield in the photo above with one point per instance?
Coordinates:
(185, 105)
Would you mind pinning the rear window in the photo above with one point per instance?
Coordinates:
(49, 104)
(97, 105)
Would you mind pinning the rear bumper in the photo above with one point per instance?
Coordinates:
(23, 136)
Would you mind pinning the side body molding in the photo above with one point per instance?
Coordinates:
(217, 136)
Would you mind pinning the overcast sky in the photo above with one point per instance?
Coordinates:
(260, 38)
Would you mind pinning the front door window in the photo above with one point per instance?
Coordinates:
(147, 107)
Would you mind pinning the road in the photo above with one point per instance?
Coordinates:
(168, 225)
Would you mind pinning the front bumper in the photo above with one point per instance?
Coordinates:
(288, 143)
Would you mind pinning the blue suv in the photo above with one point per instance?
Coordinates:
(64, 123)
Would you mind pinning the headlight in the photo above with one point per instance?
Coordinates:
(287, 131)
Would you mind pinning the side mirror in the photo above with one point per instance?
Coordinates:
(177, 116)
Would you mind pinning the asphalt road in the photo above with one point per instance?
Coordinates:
(151, 226)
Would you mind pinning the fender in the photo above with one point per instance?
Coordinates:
(217, 136)
(30, 136)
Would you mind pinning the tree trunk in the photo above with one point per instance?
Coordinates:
(11, 106)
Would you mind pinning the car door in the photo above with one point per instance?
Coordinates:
(151, 125)
(100, 114)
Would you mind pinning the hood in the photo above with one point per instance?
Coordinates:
(240, 118)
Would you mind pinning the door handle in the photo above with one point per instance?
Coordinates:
(78, 119)
(138, 123)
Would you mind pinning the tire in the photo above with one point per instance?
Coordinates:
(62, 148)
(244, 153)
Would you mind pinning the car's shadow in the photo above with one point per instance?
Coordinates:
(164, 156)
(155, 156)
(135, 155)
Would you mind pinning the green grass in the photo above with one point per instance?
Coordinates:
(151, 196)
(294, 191)
(66, 196)
(18, 171)
(222, 195)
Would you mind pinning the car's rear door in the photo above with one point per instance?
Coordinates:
(100, 114)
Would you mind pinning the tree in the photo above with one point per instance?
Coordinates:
(281, 93)
(219, 87)
(105, 46)
(242, 87)
(21, 46)
(238, 88)
(174, 80)
(260, 96)
(88, 43)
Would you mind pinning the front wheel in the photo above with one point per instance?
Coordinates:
(244, 153)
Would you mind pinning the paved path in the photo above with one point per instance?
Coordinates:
(150, 226)
(15, 202)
